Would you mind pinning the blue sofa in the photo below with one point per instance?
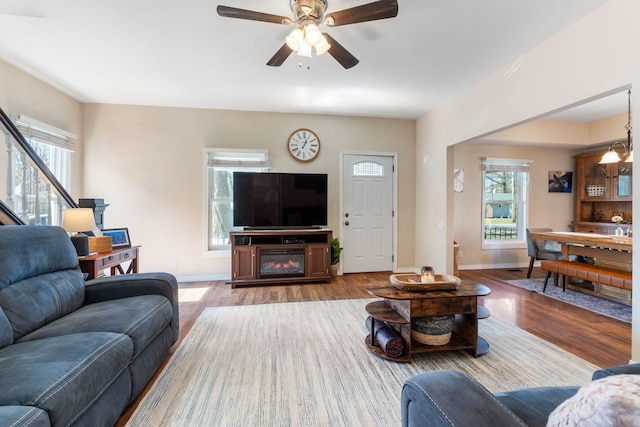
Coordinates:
(75, 353)
(450, 398)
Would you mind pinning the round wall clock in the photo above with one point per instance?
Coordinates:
(304, 145)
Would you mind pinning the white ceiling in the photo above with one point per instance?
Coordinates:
(181, 53)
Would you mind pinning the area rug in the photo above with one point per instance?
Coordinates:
(599, 305)
(306, 364)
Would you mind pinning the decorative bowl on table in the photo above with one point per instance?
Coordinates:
(412, 283)
(433, 330)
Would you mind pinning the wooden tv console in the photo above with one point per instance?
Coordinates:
(264, 257)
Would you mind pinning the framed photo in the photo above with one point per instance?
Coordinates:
(119, 237)
(560, 181)
(458, 180)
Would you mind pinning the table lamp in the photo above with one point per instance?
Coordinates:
(77, 220)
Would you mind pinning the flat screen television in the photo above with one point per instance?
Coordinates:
(279, 200)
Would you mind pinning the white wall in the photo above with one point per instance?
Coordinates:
(597, 55)
(147, 163)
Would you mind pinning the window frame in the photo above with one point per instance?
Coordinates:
(234, 159)
(522, 189)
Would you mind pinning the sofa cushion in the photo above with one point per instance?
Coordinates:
(63, 375)
(32, 251)
(6, 333)
(23, 416)
(142, 318)
(40, 279)
(34, 302)
(533, 405)
(607, 402)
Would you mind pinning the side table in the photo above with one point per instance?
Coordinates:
(398, 307)
(94, 264)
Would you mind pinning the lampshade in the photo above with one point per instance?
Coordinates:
(78, 219)
(295, 39)
(630, 157)
(312, 34)
(611, 156)
(323, 46)
(305, 49)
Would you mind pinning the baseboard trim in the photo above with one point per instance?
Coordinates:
(494, 266)
(204, 278)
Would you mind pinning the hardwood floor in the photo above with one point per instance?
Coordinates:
(593, 337)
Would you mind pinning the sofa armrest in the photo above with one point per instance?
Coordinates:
(633, 368)
(131, 285)
(450, 398)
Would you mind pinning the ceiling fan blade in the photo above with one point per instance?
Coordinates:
(234, 12)
(382, 9)
(341, 54)
(281, 55)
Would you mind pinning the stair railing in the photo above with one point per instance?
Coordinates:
(33, 193)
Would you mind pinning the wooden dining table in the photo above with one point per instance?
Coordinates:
(606, 250)
(613, 252)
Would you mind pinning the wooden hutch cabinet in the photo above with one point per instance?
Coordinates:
(262, 257)
(602, 190)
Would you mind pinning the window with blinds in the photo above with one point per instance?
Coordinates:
(220, 165)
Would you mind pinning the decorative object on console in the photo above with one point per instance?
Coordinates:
(611, 156)
(119, 237)
(79, 220)
(100, 244)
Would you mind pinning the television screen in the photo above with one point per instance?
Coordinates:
(279, 200)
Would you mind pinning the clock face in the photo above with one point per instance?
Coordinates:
(304, 145)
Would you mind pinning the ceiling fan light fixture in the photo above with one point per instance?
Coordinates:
(305, 49)
(630, 157)
(295, 39)
(323, 46)
(312, 34)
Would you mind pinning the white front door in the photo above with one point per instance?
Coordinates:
(367, 216)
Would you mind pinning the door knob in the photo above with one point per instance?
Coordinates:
(346, 223)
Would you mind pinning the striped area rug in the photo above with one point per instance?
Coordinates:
(306, 364)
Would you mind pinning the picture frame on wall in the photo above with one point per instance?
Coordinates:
(119, 237)
(560, 181)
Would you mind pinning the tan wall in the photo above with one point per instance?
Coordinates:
(562, 71)
(22, 94)
(147, 163)
(554, 210)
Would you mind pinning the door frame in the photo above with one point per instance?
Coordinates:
(394, 184)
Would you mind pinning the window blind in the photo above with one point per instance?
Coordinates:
(505, 165)
(34, 130)
(230, 158)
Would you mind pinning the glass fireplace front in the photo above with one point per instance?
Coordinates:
(286, 262)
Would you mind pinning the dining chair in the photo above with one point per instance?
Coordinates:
(538, 249)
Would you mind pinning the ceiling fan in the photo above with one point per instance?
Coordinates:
(308, 16)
